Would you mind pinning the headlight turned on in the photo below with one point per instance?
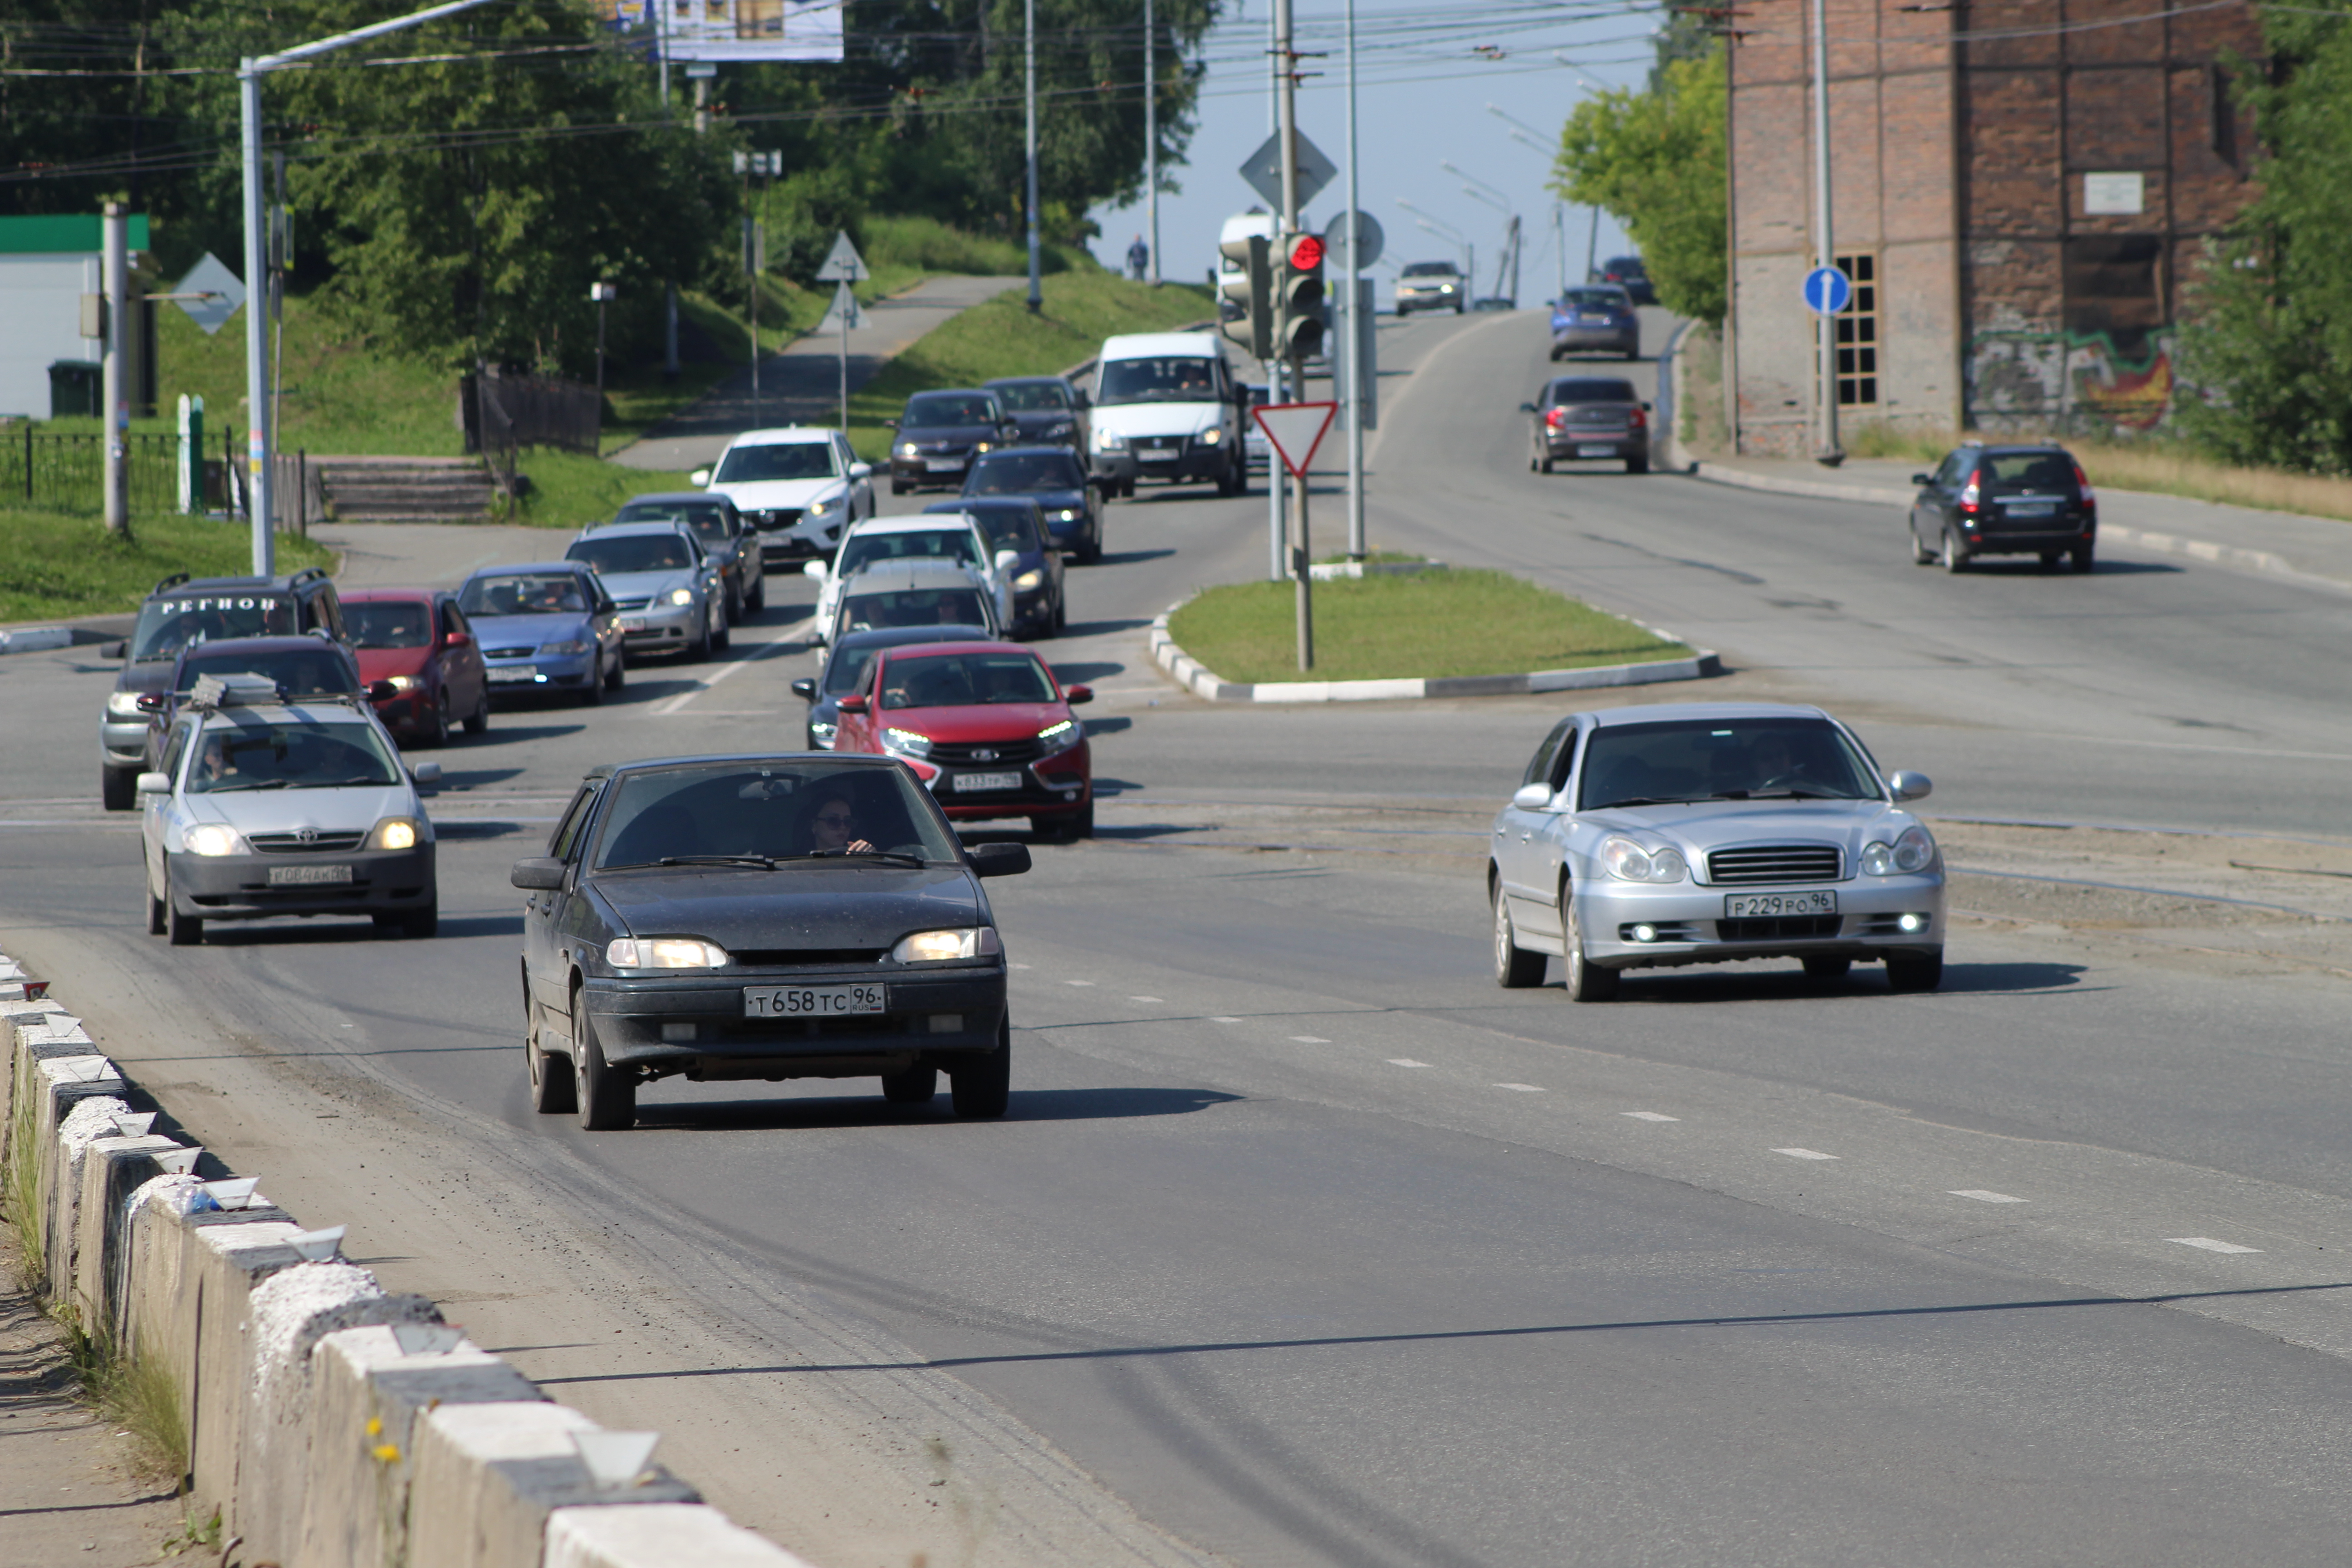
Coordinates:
(1210, 437)
(1630, 862)
(1029, 582)
(1109, 441)
(1912, 851)
(664, 952)
(212, 838)
(1059, 738)
(945, 946)
(394, 833)
(123, 704)
(681, 595)
(907, 741)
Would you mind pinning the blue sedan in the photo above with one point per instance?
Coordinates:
(1596, 319)
(546, 626)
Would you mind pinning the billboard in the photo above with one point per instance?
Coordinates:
(737, 29)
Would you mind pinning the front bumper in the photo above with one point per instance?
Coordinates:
(546, 672)
(1180, 459)
(670, 628)
(1407, 303)
(238, 887)
(696, 1028)
(1691, 928)
(914, 472)
(123, 742)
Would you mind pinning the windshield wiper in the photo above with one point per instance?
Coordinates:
(234, 788)
(761, 862)
(1797, 795)
(894, 855)
(1648, 800)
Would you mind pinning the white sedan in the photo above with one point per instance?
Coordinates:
(937, 536)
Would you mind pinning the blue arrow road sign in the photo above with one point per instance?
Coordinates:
(1828, 290)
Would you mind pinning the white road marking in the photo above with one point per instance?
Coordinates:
(1021, 966)
(1309, 1040)
(1522, 1088)
(1405, 1062)
(787, 640)
(1648, 1116)
(1804, 1154)
(1984, 1196)
(1224, 1020)
(1077, 983)
(2210, 1245)
(1144, 999)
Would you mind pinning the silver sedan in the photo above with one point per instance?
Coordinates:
(1707, 833)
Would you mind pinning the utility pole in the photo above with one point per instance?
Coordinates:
(1029, 78)
(281, 257)
(669, 289)
(602, 294)
(1824, 246)
(1152, 135)
(1285, 60)
(1354, 326)
(115, 280)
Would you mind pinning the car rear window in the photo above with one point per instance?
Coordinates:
(168, 624)
(389, 623)
(964, 680)
(1024, 473)
(1592, 299)
(1722, 759)
(2027, 473)
(537, 594)
(1589, 391)
(633, 553)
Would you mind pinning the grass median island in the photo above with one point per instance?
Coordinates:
(56, 566)
(1430, 624)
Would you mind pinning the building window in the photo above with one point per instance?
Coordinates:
(1857, 335)
(2114, 290)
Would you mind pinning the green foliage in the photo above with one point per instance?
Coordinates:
(1655, 159)
(54, 565)
(2265, 350)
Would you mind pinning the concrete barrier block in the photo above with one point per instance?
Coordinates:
(158, 1316)
(86, 1119)
(227, 1255)
(657, 1535)
(367, 1395)
(112, 1168)
(287, 1315)
(488, 1476)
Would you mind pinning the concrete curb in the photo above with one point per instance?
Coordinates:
(1203, 682)
(333, 1424)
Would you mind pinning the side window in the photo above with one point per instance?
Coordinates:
(566, 837)
(326, 610)
(1539, 766)
(1954, 472)
(174, 751)
(1565, 761)
(453, 618)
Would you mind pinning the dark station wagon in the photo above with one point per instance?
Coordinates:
(2005, 500)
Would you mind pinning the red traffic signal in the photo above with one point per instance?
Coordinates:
(1306, 253)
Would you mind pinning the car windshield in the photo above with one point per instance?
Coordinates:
(1008, 527)
(1024, 473)
(1592, 299)
(912, 607)
(1033, 396)
(633, 553)
(298, 672)
(863, 549)
(2027, 473)
(751, 811)
(1174, 379)
(254, 754)
(1431, 269)
(776, 460)
(964, 680)
(168, 624)
(1723, 759)
(389, 623)
(1593, 392)
(940, 408)
(524, 594)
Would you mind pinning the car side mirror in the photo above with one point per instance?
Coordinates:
(1923, 478)
(816, 569)
(1009, 430)
(852, 705)
(1074, 695)
(1645, 408)
(540, 874)
(1006, 560)
(115, 651)
(1531, 798)
(154, 784)
(861, 470)
(700, 478)
(806, 688)
(889, 425)
(1910, 786)
(378, 691)
(151, 702)
(999, 859)
(426, 772)
(1527, 408)
(459, 639)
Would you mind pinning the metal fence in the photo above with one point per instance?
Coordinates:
(67, 473)
(503, 413)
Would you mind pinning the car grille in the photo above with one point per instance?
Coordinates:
(633, 605)
(962, 754)
(295, 844)
(775, 517)
(524, 652)
(943, 449)
(804, 957)
(1775, 863)
(1775, 928)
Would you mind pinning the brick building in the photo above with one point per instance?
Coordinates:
(2019, 188)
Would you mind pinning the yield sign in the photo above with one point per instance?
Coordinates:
(1295, 430)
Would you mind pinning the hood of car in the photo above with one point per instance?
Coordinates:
(647, 584)
(1046, 419)
(346, 808)
(772, 495)
(383, 663)
(848, 904)
(515, 631)
(1706, 825)
(1054, 502)
(1159, 418)
(977, 722)
(955, 435)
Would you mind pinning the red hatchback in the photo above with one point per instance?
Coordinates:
(417, 639)
(985, 726)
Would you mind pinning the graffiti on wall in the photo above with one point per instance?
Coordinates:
(2067, 381)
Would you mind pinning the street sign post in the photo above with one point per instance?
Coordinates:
(1369, 239)
(1262, 169)
(1294, 430)
(844, 315)
(210, 294)
(842, 263)
(1828, 290)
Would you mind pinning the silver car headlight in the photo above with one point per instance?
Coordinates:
(1630, 862)
(123, 704)
(209, 839)
(664, 952)
(1912, 851)
(822, 732)
(1068, 514)
(1029, 582)
(395, 833)
(680, 596)
(405, 683)
(945, 946)
(1109, 441)
(570, 649)
(1059, 738)
(826, 504)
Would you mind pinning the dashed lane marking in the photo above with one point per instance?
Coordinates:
(1984, 1196)
(1522, 1088)
(1146, 999)
(2210, 1245)
(1309, 1040)
(1648, 1116)
(1224, 1020)
(1804, 1154)
(1077, 983)
(1405, 1062)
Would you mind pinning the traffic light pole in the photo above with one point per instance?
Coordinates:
(1286, 107)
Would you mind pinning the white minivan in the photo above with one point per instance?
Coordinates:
(1166, 407)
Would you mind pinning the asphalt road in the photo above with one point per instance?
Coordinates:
(1306, 1242)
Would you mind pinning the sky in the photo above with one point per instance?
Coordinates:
(1426, 76)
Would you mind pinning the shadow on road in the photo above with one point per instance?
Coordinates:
(872, 1110)
(1793, 985)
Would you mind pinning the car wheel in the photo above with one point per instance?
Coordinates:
(1586, 980)
(1920, 554)
(2083, 561)
(118, 787)
(1079, 824)
(1515, 968)
(607, 1095)
(896, 488)
(699, 648)
(159, 911)
(720, 635)
(185, 931)
(757, 603)
(1637, 465)
(914, 1087)
(594, 692)
(479, 720)
(1090, 550)
(418, 924)
(1061, 614)
(553, 1090)
(1955, 559)
(1544, 464)
(981, 1086)
(2050, 559)
(1914, 971)
(1823, 967)
(618, 675)
(436, 732)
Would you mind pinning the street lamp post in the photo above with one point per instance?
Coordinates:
(1152, 135)
(1824, 242)
(602, 294)
(1029, 78)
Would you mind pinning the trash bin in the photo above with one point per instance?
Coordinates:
(76, 388)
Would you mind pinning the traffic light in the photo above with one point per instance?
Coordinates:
(1245, 292)
(1298, 299)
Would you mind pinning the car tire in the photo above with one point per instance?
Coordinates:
(1061, 614)
(916, 1085)
(724, 637)
(756, 603)
(1515, 968)
(608, 1096)
(618, 675)
(434, 734)
(592, 693)
(1823, 968)
(1914, 971)
(1079, 824)
(896, 488)
(1637, 465)
(2085, 560)
(2050, 559)
(479, 720)
(699, 648)
(1954, 558)
(417, 925)
(1090, 550)
(982, 1087)
(184, 930)
(159, 911)
(1920, 554)
(1586, 980)
(553, 1090)
(118, 788)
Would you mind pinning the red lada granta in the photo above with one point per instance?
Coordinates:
(987, 729)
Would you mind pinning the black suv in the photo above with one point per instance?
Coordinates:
(2004, 500)
(183, 610)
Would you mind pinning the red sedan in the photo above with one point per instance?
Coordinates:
(417, 639)
(985, 726)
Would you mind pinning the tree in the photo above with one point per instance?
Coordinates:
(2266, 350)
(1654, 159)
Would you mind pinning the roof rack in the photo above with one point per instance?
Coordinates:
(246, 689)
(174, 581)
(307, 575)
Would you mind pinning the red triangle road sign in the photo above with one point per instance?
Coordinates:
(1295, 430)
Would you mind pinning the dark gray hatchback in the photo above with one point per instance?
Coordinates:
(2005, 500)
(760, 917)
(1581, 418)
